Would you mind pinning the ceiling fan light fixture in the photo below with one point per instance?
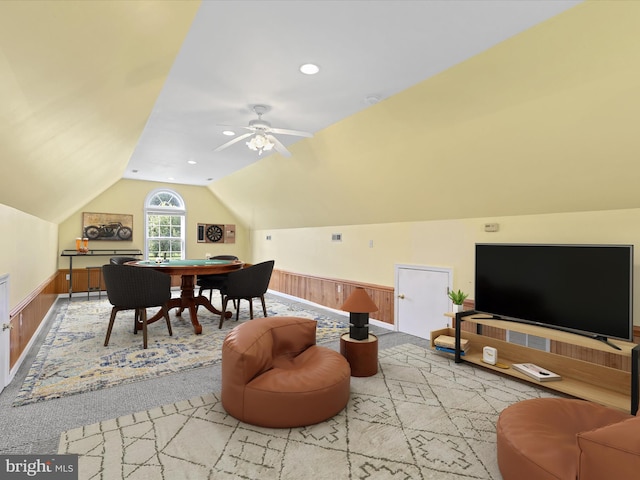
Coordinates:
(259, 143)
(309, 68)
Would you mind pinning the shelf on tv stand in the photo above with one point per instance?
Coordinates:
(552, 334)
(582, 379)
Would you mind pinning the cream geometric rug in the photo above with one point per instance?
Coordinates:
(73, 358)
(420, 417)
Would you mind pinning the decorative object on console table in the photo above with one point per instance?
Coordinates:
(359, 347)
(82, 245)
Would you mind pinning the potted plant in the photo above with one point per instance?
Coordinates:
(457, 298)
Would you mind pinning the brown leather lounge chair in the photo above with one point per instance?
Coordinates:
(274, 375)
(567, 439)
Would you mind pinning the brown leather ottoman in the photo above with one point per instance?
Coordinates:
(558, 438)
(274, 375)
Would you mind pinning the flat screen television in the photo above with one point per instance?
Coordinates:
(583, 289)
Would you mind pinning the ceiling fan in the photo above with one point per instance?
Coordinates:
(261, 135)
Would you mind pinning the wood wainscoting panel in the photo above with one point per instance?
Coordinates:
(332, 293)
(26, 317)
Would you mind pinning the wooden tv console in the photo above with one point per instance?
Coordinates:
(582, 379)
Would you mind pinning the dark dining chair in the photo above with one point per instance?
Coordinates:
(136, 288)
(246, 284)
(122, 260)
(215, 281)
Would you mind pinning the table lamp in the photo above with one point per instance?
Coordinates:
(359, 305)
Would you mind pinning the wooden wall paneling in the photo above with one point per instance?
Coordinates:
(332, 293)
(28, 315)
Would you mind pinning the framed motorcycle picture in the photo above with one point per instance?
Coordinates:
(107, 226)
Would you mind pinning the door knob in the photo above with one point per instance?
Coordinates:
(6, 326)
(401, 295)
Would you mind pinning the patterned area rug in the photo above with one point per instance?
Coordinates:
(420, 417)
(73, 358)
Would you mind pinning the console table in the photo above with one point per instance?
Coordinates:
(119, 252)
(582, 379)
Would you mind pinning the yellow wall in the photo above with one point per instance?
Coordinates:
(128, 196)
(442, 243)
(28, 252)
(542, 125)
(545, 122)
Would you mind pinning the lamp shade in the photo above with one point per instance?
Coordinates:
(359, 302)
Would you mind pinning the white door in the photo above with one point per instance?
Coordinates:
(421, 299)
(5, 331)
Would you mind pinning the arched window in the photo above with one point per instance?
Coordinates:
(164, 225)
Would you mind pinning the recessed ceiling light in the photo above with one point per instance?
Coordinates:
(229, 133)
(191, 162)
(170, 178)
(371, 99)
(309, 69)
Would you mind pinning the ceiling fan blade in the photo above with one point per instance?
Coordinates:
(280, 148)
(245, 127)
(231, 142)
(297, 133)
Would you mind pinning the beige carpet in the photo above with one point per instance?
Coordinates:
(420, 417)
(73, 358)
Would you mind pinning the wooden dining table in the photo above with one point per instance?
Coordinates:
(188, 269)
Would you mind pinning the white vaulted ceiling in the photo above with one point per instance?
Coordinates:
(92, 92)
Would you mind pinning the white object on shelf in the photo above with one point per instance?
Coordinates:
(490, 355)
(534, 371)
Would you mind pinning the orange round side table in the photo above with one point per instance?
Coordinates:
(362, 355)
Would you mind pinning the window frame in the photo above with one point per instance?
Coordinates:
(178, 211)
